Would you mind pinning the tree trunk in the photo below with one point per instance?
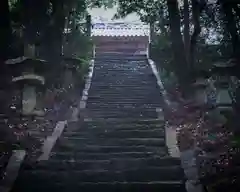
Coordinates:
(186, 31)
(59, 23)
(54, 36)
(196, 10)
(237, 10)
(177, 41)
(5, 30)
(231, 26)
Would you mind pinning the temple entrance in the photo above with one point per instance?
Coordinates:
(121, 38)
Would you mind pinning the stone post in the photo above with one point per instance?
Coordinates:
(29, 95)
(151, 38)
(88, 25)
(189, 164)
(200, 87)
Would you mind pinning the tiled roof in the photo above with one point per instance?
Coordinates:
(120, 29)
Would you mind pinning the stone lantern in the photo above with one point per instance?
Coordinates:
(200, 94)
(222, 83)
(200, 88)
(222, 72)
(73, 64)
(27, 74)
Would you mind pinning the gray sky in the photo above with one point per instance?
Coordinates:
(109, 13)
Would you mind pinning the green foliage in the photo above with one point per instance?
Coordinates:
(84, 68)
(77, 44)
(101, 3)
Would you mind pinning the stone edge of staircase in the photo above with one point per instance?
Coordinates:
(187, 157)
(170, 134)
(83, 101)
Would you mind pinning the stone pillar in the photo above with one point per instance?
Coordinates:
(94, 50)
(29, 50)
(151, 38)
(29, 99)
(189, 164)
(200, 89)
(29, 95)
(88, 25)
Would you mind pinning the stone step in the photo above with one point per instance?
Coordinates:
(110, 98)
(116, 89)
(127, 121)
(140, 103)
(154, 186)
(111, 81)
(133, 67)
(76, 142)
(118, 64)
(123, 127)
(120, 89)
(122, 58)
(117, 103)
(114, 83)
(113, 94)
(156, 133)
(68, 155)
(142, 76)
(119, 98)
(122, 67)
(119, 128)
(110, 104)
(88, 118)
(123, 114)
(114, 113)
(150, 174)
(113, 77)
(109, 149)
(114, 74)
(126, 111)
(124, 70)
(112, 164)
(123, 102)
(118, 58)
(99, 126)
(106, 133)
(133, 87)
(135, 70)
(124, 99)
(123, 92)
(137, 80)
(124, 84)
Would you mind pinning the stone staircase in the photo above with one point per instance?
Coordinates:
(120, 145)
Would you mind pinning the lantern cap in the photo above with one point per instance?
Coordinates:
(221, 64)
(29, 78)
(201, 82)
(20, 60)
